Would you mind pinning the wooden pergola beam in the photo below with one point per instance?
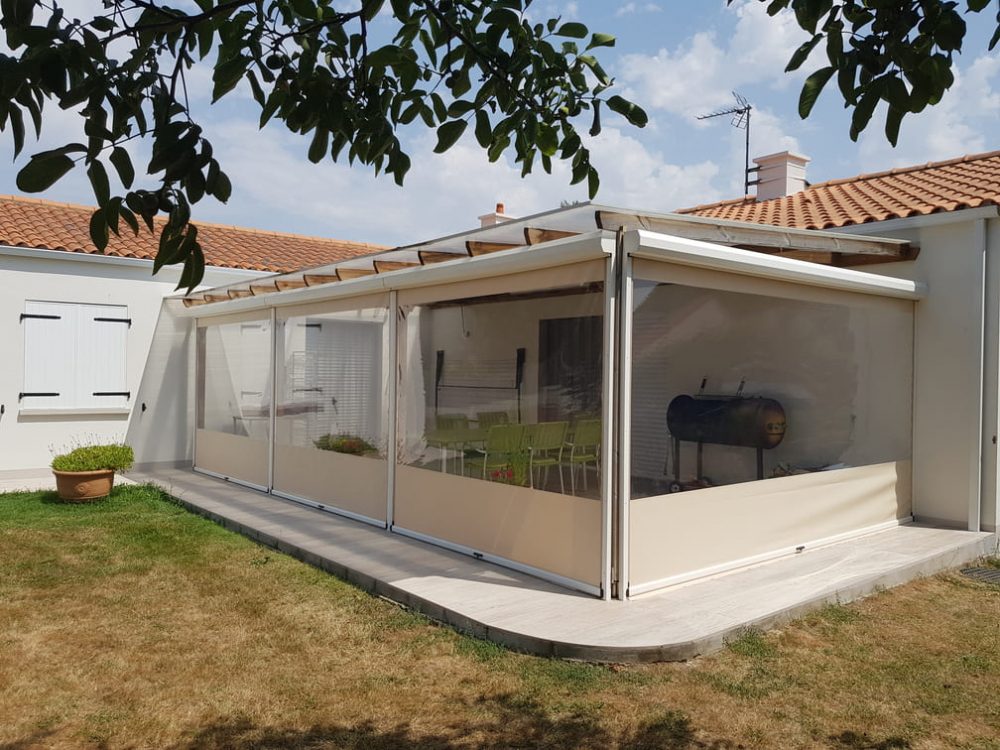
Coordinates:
(267, 287)
(431, 256)
(346, 274)
(478, 247)
(385, 266)
(760, 237)
(538, 235)
(315, 279)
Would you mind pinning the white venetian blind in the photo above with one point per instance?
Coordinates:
(74, 356)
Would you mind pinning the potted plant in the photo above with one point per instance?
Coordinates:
(349, 444)
(88, 471)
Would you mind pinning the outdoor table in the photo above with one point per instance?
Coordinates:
(458, 438)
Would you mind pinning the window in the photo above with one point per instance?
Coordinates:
(74, 356)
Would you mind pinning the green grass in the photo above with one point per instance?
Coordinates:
(133, 623)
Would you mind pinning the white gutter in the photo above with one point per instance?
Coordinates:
(531, 258)
(35, 253)
(643, 244)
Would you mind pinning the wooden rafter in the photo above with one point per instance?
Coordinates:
(315, 279)
(285, 285)
(385, 266)
(194, 301)
(265, 287)
(430, 256)
(475, 247)
(537, 235)
(216, 297)
(345, 274)
(763, 237)
(239, 293)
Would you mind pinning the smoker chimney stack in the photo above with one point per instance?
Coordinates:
(497, 217)
(780, 174)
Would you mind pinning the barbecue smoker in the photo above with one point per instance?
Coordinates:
(742, 421)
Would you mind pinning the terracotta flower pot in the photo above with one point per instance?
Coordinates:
(84, 486)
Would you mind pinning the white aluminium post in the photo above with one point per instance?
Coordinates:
(608, 422)
(624, 423)
(393, 408)
(273, 416)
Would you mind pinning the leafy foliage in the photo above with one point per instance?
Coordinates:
(900, 53)
(351, 444)
(113, 457)
(448, 64)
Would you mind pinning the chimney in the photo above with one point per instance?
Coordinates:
(497, 217)
(780, 174)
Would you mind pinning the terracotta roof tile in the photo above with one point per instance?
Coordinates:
(955, 184)
(35, 223)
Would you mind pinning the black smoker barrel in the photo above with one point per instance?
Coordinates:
(751, 422)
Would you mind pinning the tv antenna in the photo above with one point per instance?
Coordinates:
(740, 115)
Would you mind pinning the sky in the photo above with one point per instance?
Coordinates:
(677, 59)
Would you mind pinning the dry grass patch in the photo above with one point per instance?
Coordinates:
(133, 623)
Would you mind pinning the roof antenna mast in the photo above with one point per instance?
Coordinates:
(740, 119)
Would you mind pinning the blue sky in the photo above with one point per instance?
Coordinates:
(677, 59)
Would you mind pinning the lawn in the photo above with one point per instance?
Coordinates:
(133, 623)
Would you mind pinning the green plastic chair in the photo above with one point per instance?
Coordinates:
(486, 419)
(546, 442)
(452, 422)
(584, 449)
(504, 443)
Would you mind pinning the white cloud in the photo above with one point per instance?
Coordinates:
(631, 8)
(275, 187)
(964, 122)
(700, 74)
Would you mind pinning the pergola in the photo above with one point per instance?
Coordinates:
(611, 400)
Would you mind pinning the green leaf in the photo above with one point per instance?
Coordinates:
(484, 130)
(593, 182)
(98, 177)
(573, 30)
(448, 135)
(601, 40)
(548, 139)
(123, 165)
(99, 230)
(43, 171)
(811, 90)
(893, 119)
(635, 114)
(320, 145)
(800, 55)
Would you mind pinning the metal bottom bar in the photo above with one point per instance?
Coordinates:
(545, 575)
(330, 509)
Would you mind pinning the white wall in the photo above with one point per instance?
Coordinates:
(26, 442)
(951, 461)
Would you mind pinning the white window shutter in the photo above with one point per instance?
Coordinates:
(49, 330)
(76, 351)
(102, 334)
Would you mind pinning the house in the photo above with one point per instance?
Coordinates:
(78, 324)
(617, 401)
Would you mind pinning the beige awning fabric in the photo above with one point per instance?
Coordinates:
(344, 304)
(671, 273)
(545, 278)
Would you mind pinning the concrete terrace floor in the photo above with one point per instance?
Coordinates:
(528, 614)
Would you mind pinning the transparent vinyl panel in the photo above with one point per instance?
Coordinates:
(331, 417)
(499, 432)
(732, 387)
(233, 384)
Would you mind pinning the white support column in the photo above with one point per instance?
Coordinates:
(608, 424)
(272, 417)
(393, 407)
(624, 422)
